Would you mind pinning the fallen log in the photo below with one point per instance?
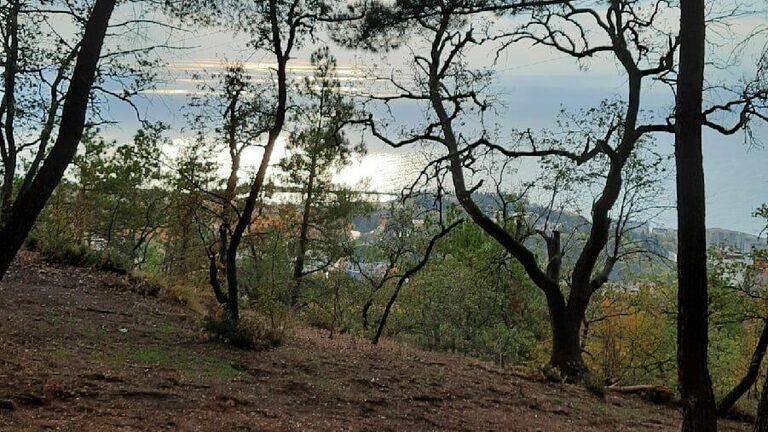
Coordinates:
(650, 392)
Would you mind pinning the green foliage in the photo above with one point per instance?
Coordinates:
(472, 299)
(334, 302)
(631, 334)
(266, 271)
(317, 151)
(113, 209)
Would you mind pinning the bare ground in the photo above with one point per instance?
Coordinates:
(80, 352)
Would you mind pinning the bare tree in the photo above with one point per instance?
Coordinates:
(453, 91)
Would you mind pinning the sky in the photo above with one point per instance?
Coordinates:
(532, 85)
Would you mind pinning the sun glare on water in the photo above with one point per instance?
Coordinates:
(379, 172)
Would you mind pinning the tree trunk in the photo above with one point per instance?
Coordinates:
(11, 48)
(301, 247)
(697, 398)
(566, 344)
(28, 205)
(387, 310)
(761, 421)
(228, 214)
(750, 377)
(256, 186)
(213, 278)
(233, 297)
(364, 313)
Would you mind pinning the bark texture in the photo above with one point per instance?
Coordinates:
(697, 398)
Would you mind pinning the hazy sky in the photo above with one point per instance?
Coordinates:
(533, 85)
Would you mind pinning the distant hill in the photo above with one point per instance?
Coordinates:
(660, 241)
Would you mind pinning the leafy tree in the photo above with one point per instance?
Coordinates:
(452, 91)
(18, 218)
(188, 245)
(761, 423)
(316, 151)
(277, 27)
(473, 298)
(124, 190)
(230, 116)
(44, 118)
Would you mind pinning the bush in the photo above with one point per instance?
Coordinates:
(252, 332)
(146, 284)
(333, 303)
(74, 255)
(32, 243)
(595, 386)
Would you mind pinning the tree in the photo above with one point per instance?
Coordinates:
(470, 298)
(230, 116)
(454, 92)
(416, 267)
(278, 27)
(406, 240)
(315, 152)
(20, 216)
(189, 246)
(742, 283)
(698, 404)
(761, 421)
(119, 197)
(697, 397)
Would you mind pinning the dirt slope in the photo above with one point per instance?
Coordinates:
(81, 353)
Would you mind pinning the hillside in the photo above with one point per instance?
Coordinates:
(659, 242)
(82, 352)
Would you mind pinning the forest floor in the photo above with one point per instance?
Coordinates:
(81, 352)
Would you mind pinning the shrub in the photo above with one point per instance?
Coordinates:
(146, 284)
(253, 332)
(594, 386)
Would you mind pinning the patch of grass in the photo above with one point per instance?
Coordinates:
(601, 409)
(195, 367)
(189, 295)
(166, 331)
(146, 284)
(79, 255)
(53, 317)
(62, 354)
(154, 355)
